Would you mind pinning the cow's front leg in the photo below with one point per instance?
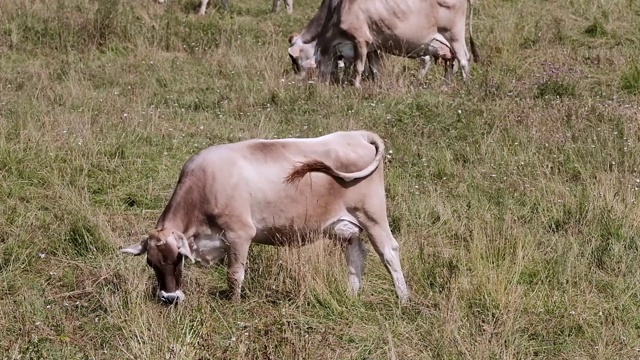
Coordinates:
(203, 7)
(239, 243)
(275, 7)
(348, 234)
(361, 58)
(289, 5)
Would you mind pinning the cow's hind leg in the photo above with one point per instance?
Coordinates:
(373, 58)
(356, 254)
(348, 233)
(389, 251)
(426, 64)
(462, 55)
(203, 7)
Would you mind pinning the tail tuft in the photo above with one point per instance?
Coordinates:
(299, 171)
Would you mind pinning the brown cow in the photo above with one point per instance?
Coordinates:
(302, 48)
(353, 28)
(274, 192)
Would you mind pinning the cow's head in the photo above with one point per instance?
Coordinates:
(165, 251)
(302, 55)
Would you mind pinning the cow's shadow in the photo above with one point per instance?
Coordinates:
(223, 294)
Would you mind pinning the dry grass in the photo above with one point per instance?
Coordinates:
(514, 198)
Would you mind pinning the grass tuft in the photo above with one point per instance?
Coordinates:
(630, 80)
(83, 239)
(596, 29)
(555, 89)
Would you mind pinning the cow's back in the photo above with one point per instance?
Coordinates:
(249, 176)
(398, 27)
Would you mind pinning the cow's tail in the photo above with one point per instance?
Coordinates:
(474, 48)
(315, 165)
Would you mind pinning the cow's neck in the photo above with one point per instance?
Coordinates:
(311, 31)
(180, 215)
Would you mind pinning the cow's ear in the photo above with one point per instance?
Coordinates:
(136, 249)
(294, 51)
(292, 38)
(183, 245)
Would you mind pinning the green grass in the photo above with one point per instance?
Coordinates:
(514, 198)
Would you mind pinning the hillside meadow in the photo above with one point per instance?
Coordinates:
(514, 197)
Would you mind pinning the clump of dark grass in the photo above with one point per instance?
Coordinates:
(630, 79)
(555, 89)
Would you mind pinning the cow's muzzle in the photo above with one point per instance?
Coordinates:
(171, 298)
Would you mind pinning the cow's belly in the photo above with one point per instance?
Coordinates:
(295, 229)
(341, 228)
(287, 236)
(410, 48)
(390, 44)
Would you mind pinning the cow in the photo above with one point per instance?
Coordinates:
(283, 192)
(302, 60)
(302, 47)
(353, 28)
(302, 56)
(274, 8)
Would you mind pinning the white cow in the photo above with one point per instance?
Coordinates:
(276, 192)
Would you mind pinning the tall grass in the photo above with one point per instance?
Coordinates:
(514, 198)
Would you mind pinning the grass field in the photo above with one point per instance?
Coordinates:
(514, 198)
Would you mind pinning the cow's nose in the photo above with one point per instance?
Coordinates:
(171, 298)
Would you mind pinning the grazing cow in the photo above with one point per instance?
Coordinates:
(302, 47)
(302, 55)
(275, 6)
(274, 192)
(353, 28)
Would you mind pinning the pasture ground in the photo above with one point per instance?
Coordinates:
(514, 198)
